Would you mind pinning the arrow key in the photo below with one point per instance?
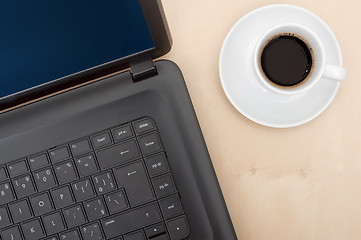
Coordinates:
(178, 228)
(139, 235)
(161, 237)
(155, 230)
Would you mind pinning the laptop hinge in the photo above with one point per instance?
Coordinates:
(142, 68)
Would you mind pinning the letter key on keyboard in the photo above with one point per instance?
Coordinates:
(41, 204)
(32, 230)
(53, 223)
(20, 211)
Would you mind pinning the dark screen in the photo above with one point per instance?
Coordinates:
(44, 40)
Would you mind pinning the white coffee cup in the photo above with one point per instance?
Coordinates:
(321, 69)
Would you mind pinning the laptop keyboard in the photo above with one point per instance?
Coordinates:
(115, 184)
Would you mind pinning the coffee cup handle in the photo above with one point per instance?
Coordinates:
(334, 72)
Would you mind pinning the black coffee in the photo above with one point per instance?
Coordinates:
(286, 60)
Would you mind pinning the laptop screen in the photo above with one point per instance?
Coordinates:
(43, 40)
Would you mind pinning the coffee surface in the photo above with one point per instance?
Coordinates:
(286, 60)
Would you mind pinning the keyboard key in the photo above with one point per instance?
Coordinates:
(149, 144)
(11, 234)
(143, 126)
(101, 140)
(163, 186)
(155, 230)
(104, 183)
(135, 236)
(83, 190)
(20, 211)
(116, 202)
(171, 207)
(38, 161)
(92, 232)
(52, 238)
(62, 197)
(135, 181)
(32, 230)
(24, 186)
(53, 223)
(156, 165)
(44, 179)
(6, 193)
(162, 237)
(65, 172)
(72, 235)
(132, 220)
(86, 165)
(178, 228)
(122, 133)
(118, 154)
(18, 168)
(95, 209)
(80, 147)
(4, 217)
(41, 204)
(74, 216)
(3, 175)
(60, 154)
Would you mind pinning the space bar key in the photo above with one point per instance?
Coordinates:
(132, 220)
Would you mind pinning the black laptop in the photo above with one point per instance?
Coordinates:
(98, 141)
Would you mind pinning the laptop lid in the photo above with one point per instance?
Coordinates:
(48, 47)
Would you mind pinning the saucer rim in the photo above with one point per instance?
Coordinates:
(269, 123)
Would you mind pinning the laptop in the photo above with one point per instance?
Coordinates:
(98, 140)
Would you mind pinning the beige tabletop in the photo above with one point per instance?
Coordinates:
(297, 183)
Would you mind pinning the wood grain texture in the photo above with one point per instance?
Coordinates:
(302, 183)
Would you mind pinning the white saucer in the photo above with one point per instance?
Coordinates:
(246, 92)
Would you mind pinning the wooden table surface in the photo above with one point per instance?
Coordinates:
(299, 183)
